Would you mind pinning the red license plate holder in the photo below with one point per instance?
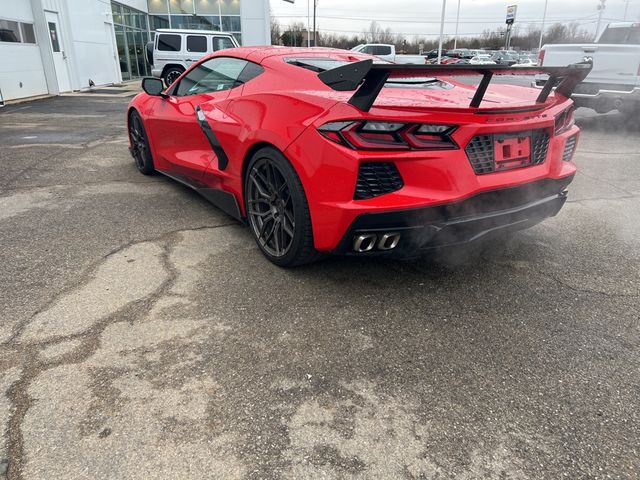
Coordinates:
(512, 150)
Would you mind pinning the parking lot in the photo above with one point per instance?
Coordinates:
(145, 336)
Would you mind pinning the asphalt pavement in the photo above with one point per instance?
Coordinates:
(144, 336)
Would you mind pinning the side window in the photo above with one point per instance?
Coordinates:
(215, 75)
(220, 43)
(382, 50)
(9, 31)
(169, 43)
(368, 49)
(196, 43)
(250, 71)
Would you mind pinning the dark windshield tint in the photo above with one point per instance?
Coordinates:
(621, 35)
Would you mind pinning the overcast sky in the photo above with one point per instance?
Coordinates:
(422, 17)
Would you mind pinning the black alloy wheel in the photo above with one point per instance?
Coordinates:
(171, 76)
(277, 210)
(140, 144)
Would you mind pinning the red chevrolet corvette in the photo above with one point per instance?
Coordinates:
(327, 151)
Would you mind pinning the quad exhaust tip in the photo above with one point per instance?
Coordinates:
(366, 242)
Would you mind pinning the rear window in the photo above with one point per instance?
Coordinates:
(220, 43)
(196, 43)
(169, 43)
(621, 35)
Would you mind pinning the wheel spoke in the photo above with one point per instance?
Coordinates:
(259, 214)
(289, 216)
(270, 208)
(261, 190)
(276, 228)
(253, 201)
(288, 230)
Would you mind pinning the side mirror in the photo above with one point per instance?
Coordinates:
(153, 86)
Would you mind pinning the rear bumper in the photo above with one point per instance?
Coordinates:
(478, 216)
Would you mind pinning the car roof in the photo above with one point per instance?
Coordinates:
(201, 32)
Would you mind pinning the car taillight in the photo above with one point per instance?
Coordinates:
(540, 57)
(386, 135)
(565, 120)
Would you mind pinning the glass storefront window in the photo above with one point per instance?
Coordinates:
(116, 10)
(158, 21)
(158, 6)
(230, 7)
(132, 35)
(230, 24)
(209, 22)
(181, 6)
(206, 7)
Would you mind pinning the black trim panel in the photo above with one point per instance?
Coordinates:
(463, 221)
(225, 201)
(223, 160)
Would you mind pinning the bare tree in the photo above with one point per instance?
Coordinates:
(275, 31)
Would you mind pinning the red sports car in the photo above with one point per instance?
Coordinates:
(326, 151)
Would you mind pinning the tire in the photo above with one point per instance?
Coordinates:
(171, 74)
(140, 150)
(277, 210)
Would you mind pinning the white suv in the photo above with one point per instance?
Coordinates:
(173, 51)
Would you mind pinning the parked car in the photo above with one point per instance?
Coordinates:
(173, 51)
(526, 62)
(388, 52)
(324, 151)
(482, 60)
(504, 58)
(614, 82)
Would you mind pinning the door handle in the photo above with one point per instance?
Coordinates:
(589, 49)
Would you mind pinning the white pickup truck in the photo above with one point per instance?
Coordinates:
(614, 81)
(388, 52)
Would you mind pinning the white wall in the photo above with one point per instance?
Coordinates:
(255, 22)
(21, 72)
(93, 43)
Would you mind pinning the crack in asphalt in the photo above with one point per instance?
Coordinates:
(562, 283)
(81, 184)
(32, 365)
(57, 149)
(596, 199)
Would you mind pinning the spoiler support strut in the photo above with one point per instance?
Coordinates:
(367, 78)
(482, 89)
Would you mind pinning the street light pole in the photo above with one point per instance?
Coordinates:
(626, 8)
(455, 39)
(600, 12)
(315, 40)
(444, 7)
(544, 18)
(308, 24)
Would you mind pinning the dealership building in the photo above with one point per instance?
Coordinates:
(56, 46)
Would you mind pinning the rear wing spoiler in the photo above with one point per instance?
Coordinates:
(367, 78)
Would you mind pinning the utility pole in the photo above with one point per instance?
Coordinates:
(315, 40)
(444, 7)
(601, 7)
(544, 18)
(455, 39)
(626, 9)
(308, 24)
